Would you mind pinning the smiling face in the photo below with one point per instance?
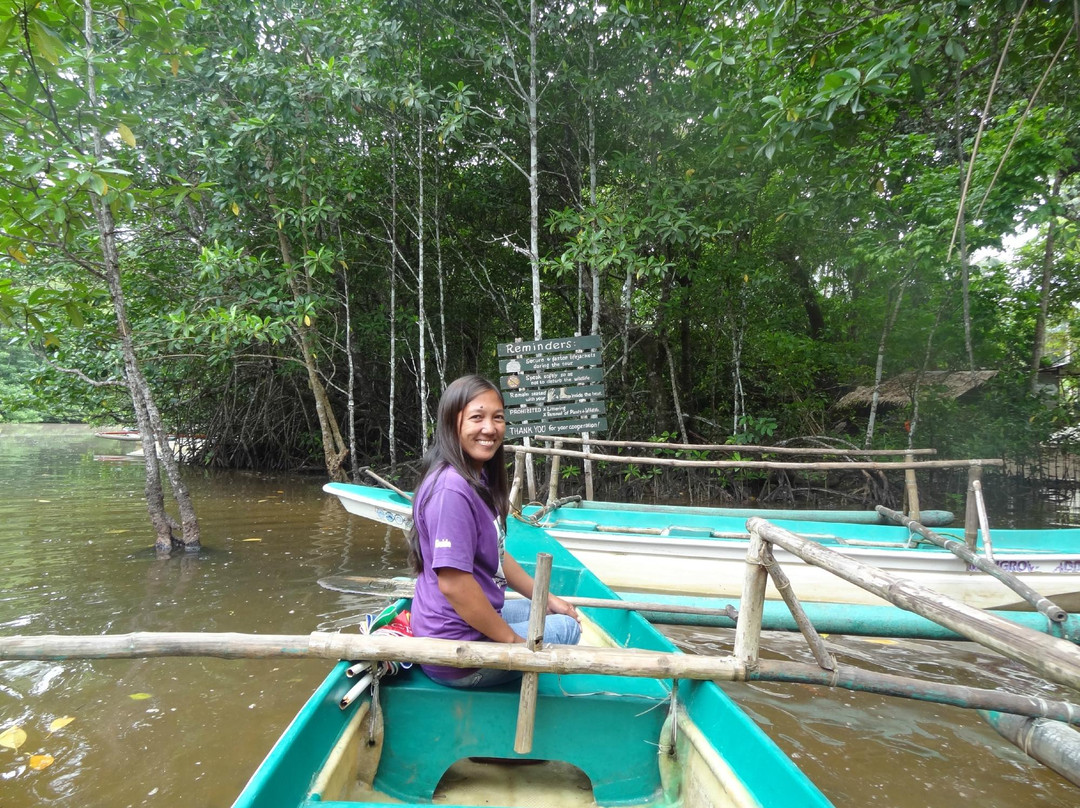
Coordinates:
(481, 426)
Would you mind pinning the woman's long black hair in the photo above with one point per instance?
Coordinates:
(491, 485)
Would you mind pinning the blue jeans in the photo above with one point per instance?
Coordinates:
(558, 630)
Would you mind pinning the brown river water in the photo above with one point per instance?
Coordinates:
(76, 557)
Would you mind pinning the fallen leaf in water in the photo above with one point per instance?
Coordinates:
(39, 762)
(44, 500)
(13, 738)
(114, 532)
(262, 500)
(254, 539)
(60, 723)
(139, 696)
(879, 640)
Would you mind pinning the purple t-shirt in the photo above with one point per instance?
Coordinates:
(457, 530)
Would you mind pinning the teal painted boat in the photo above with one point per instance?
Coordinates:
(929, 518)
(650, 549)
(600, 739)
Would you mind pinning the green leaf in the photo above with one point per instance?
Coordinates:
(955, 50)
(46, 41)
(6, 27)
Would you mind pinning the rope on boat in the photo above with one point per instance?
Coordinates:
(554, 505)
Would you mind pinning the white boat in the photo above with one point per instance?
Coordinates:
(688, 553)
(184, 447)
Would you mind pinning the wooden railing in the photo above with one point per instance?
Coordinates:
(909, 466)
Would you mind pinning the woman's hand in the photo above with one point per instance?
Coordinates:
(557, 605)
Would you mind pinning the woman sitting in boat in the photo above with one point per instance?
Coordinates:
(459, 531)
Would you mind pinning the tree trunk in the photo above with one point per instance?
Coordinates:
(807, 294)
(334, 448)
(156, 448)
(594, 272)
(421, 318)
(1039, 348)
(961, 230)
(393, 299)
(350, 355)
(534, 177)
(679, 417)
(889, 323)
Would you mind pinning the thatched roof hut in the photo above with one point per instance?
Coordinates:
(897, 391)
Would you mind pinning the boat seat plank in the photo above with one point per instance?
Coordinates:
(582, 719)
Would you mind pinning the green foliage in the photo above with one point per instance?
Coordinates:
(17, 400)
(764, 193)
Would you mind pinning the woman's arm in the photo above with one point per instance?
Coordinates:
(522, 583)
(464, 594)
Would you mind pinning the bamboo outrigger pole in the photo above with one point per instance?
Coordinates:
(960, 549)
(1055, 659)
(550, 659)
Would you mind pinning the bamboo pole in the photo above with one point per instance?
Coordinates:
(530, 472)
(727, 447)
(984, 522)
(1055, 659)
(389, 485)
(728, 534)
(394, 588)
(587, 450)
(971, 516)
(515, 488)
(911, 488)
(1053, 744)
(526, 720)
(853, 465)
(905, 687)
(752, 604)
(783, 585)
(1038, 602)
(564, 659)
(553, 481)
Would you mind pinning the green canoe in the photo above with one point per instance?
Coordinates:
(599, 739)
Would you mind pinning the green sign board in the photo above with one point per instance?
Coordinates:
(553, 395)
(550, 362)
(553, 386)
(583, 409)
(566, 427)
(589, 342)
(558, 378)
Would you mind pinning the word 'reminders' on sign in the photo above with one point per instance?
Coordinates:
(553, 386)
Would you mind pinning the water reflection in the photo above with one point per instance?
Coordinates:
(77, 557)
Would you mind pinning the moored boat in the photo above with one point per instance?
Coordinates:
(600, 739)
(118, 434)
(693, 554)
(930, 518)
(184, 447)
